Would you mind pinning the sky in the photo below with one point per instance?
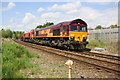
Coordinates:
(25, 16)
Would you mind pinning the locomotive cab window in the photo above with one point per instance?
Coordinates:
(83, 28)
(56, 32)
(74, 28)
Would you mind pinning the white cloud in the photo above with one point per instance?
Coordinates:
(11, 20)
(18, 27)
(9, 6)
(100, 17)
(28, 18)
(92, 16)
(67, 6)
(17, 12)
(109, 17)
(72, 11)
(65, 12)
(40, 10)
(51, 15)
(55, 17)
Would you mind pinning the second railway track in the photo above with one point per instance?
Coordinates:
(109, 63)
(108, 56)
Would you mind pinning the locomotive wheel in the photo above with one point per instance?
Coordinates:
(68, 47)
(82, 47)
(75, 47)
(51, 44)
(65, 46)
(71, 47)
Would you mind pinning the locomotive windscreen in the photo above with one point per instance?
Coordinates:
(74, 27)
(83, 28)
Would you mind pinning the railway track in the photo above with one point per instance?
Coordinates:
(107, 62)
(108, 56)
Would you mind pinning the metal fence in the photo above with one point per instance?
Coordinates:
(106, 35)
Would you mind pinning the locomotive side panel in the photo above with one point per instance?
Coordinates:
(55, 31)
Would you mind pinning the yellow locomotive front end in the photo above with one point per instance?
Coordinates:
(78, 35)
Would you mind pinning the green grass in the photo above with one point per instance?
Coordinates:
(59, 65)
(110, 47)
(15, 57)
(113, 47)
(96, 43)
(0, 65)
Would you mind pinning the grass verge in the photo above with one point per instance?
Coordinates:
(96, 43)
(15, 57)
(111, 47)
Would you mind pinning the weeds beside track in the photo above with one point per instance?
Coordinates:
(15, 57)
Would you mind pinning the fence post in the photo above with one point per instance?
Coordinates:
(69, 63)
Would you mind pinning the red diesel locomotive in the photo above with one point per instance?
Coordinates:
(71, 35)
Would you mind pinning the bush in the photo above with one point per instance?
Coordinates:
(96, 43)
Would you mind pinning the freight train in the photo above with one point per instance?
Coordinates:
(69, 35)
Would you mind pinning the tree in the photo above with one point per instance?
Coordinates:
(48, 24)
(6, 33)
(9, 33)
(99, 27)
(39, 26)
(90, 28)
(17, 34)
(113, 26)
(45, 25)
(3, 33)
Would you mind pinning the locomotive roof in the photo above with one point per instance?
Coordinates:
(64, 23)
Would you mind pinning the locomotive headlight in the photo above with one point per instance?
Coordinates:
(72, 37)
(84, 39)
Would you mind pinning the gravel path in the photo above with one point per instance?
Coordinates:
(53, 66)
